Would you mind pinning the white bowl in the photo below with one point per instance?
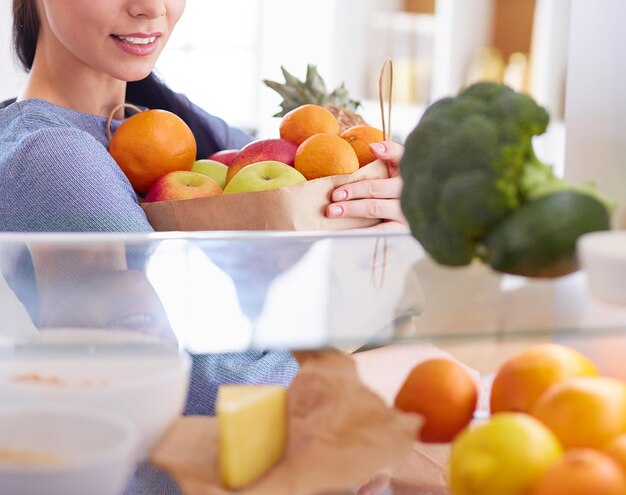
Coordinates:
(61, 450)
(603, 257)
(147, 388)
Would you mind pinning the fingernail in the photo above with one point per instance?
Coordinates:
(335, 211)
(340, 195)
(378, 148)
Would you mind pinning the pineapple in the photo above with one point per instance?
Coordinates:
(313, 90)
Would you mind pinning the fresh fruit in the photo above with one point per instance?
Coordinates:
(253, 431)
(506, 455)
(306, 121)
(325, 154)
(523, 378)
(263, 150)
(263, 176)
(616, 448)
(150, 144)
(583, 472)
(539, 238)
(360, 137)
(224, 156)
(584, 412)
(182, 184)
(211, 168)
(443, 393)
(313, 90)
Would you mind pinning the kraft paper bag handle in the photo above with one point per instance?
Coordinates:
(110, 118)
(385, 94)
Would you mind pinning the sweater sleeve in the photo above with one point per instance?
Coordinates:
(63, 180)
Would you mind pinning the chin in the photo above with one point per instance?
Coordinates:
(137, 75)
(134, 72)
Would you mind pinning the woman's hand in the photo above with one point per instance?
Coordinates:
(374, 198)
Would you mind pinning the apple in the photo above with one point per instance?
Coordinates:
(224, 156)
(263, 176)
(182, 184)
(211, 168)
(262, 150)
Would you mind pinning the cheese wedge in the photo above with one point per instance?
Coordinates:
(253, 431)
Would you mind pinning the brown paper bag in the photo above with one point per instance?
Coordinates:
(341, 434)
(299, 207)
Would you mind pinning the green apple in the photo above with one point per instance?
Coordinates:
(262, 176)
(211, 168)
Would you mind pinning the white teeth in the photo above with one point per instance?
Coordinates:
(138, 41)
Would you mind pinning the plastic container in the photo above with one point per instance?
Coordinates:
(61, 449)
(603, 257)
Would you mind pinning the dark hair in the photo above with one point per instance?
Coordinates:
(25, 31)
(151, 92)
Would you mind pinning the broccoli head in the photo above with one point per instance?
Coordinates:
(465, 165)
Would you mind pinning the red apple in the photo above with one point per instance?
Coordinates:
(224, 156)
(262, 150)
(182, 184)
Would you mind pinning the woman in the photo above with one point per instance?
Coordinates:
(80, 56)
(83, 59)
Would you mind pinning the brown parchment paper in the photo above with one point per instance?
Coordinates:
(299, 207)
(341, 434)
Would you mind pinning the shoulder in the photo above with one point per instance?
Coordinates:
(57, 148)
(31, 115)
(49, 164)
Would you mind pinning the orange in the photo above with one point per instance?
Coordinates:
(323, 155)
(616, 448)
(151, 144)
(306, 121)
(443, 393)
(523, 378)
(360, 137)
(582, 472)
(584, 412)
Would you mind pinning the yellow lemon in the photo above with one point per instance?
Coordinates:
(506, 454)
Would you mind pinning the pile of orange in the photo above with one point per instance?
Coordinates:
(154, 143)
(323, 150)
(555, 425)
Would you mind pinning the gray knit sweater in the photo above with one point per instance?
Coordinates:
(56, 175)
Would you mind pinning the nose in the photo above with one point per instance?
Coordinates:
(150, 9)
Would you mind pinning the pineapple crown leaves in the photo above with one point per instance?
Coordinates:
(312, 90)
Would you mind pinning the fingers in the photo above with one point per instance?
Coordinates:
(390, 153)
(385, 209)
(372, 188)
(373, 198)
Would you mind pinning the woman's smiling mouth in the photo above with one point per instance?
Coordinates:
(135, 40)
(137, 43)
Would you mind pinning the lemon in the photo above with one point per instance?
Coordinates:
(505, 455)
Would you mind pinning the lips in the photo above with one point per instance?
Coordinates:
(139, 44)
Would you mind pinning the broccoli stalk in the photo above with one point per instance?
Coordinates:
(539, 180)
